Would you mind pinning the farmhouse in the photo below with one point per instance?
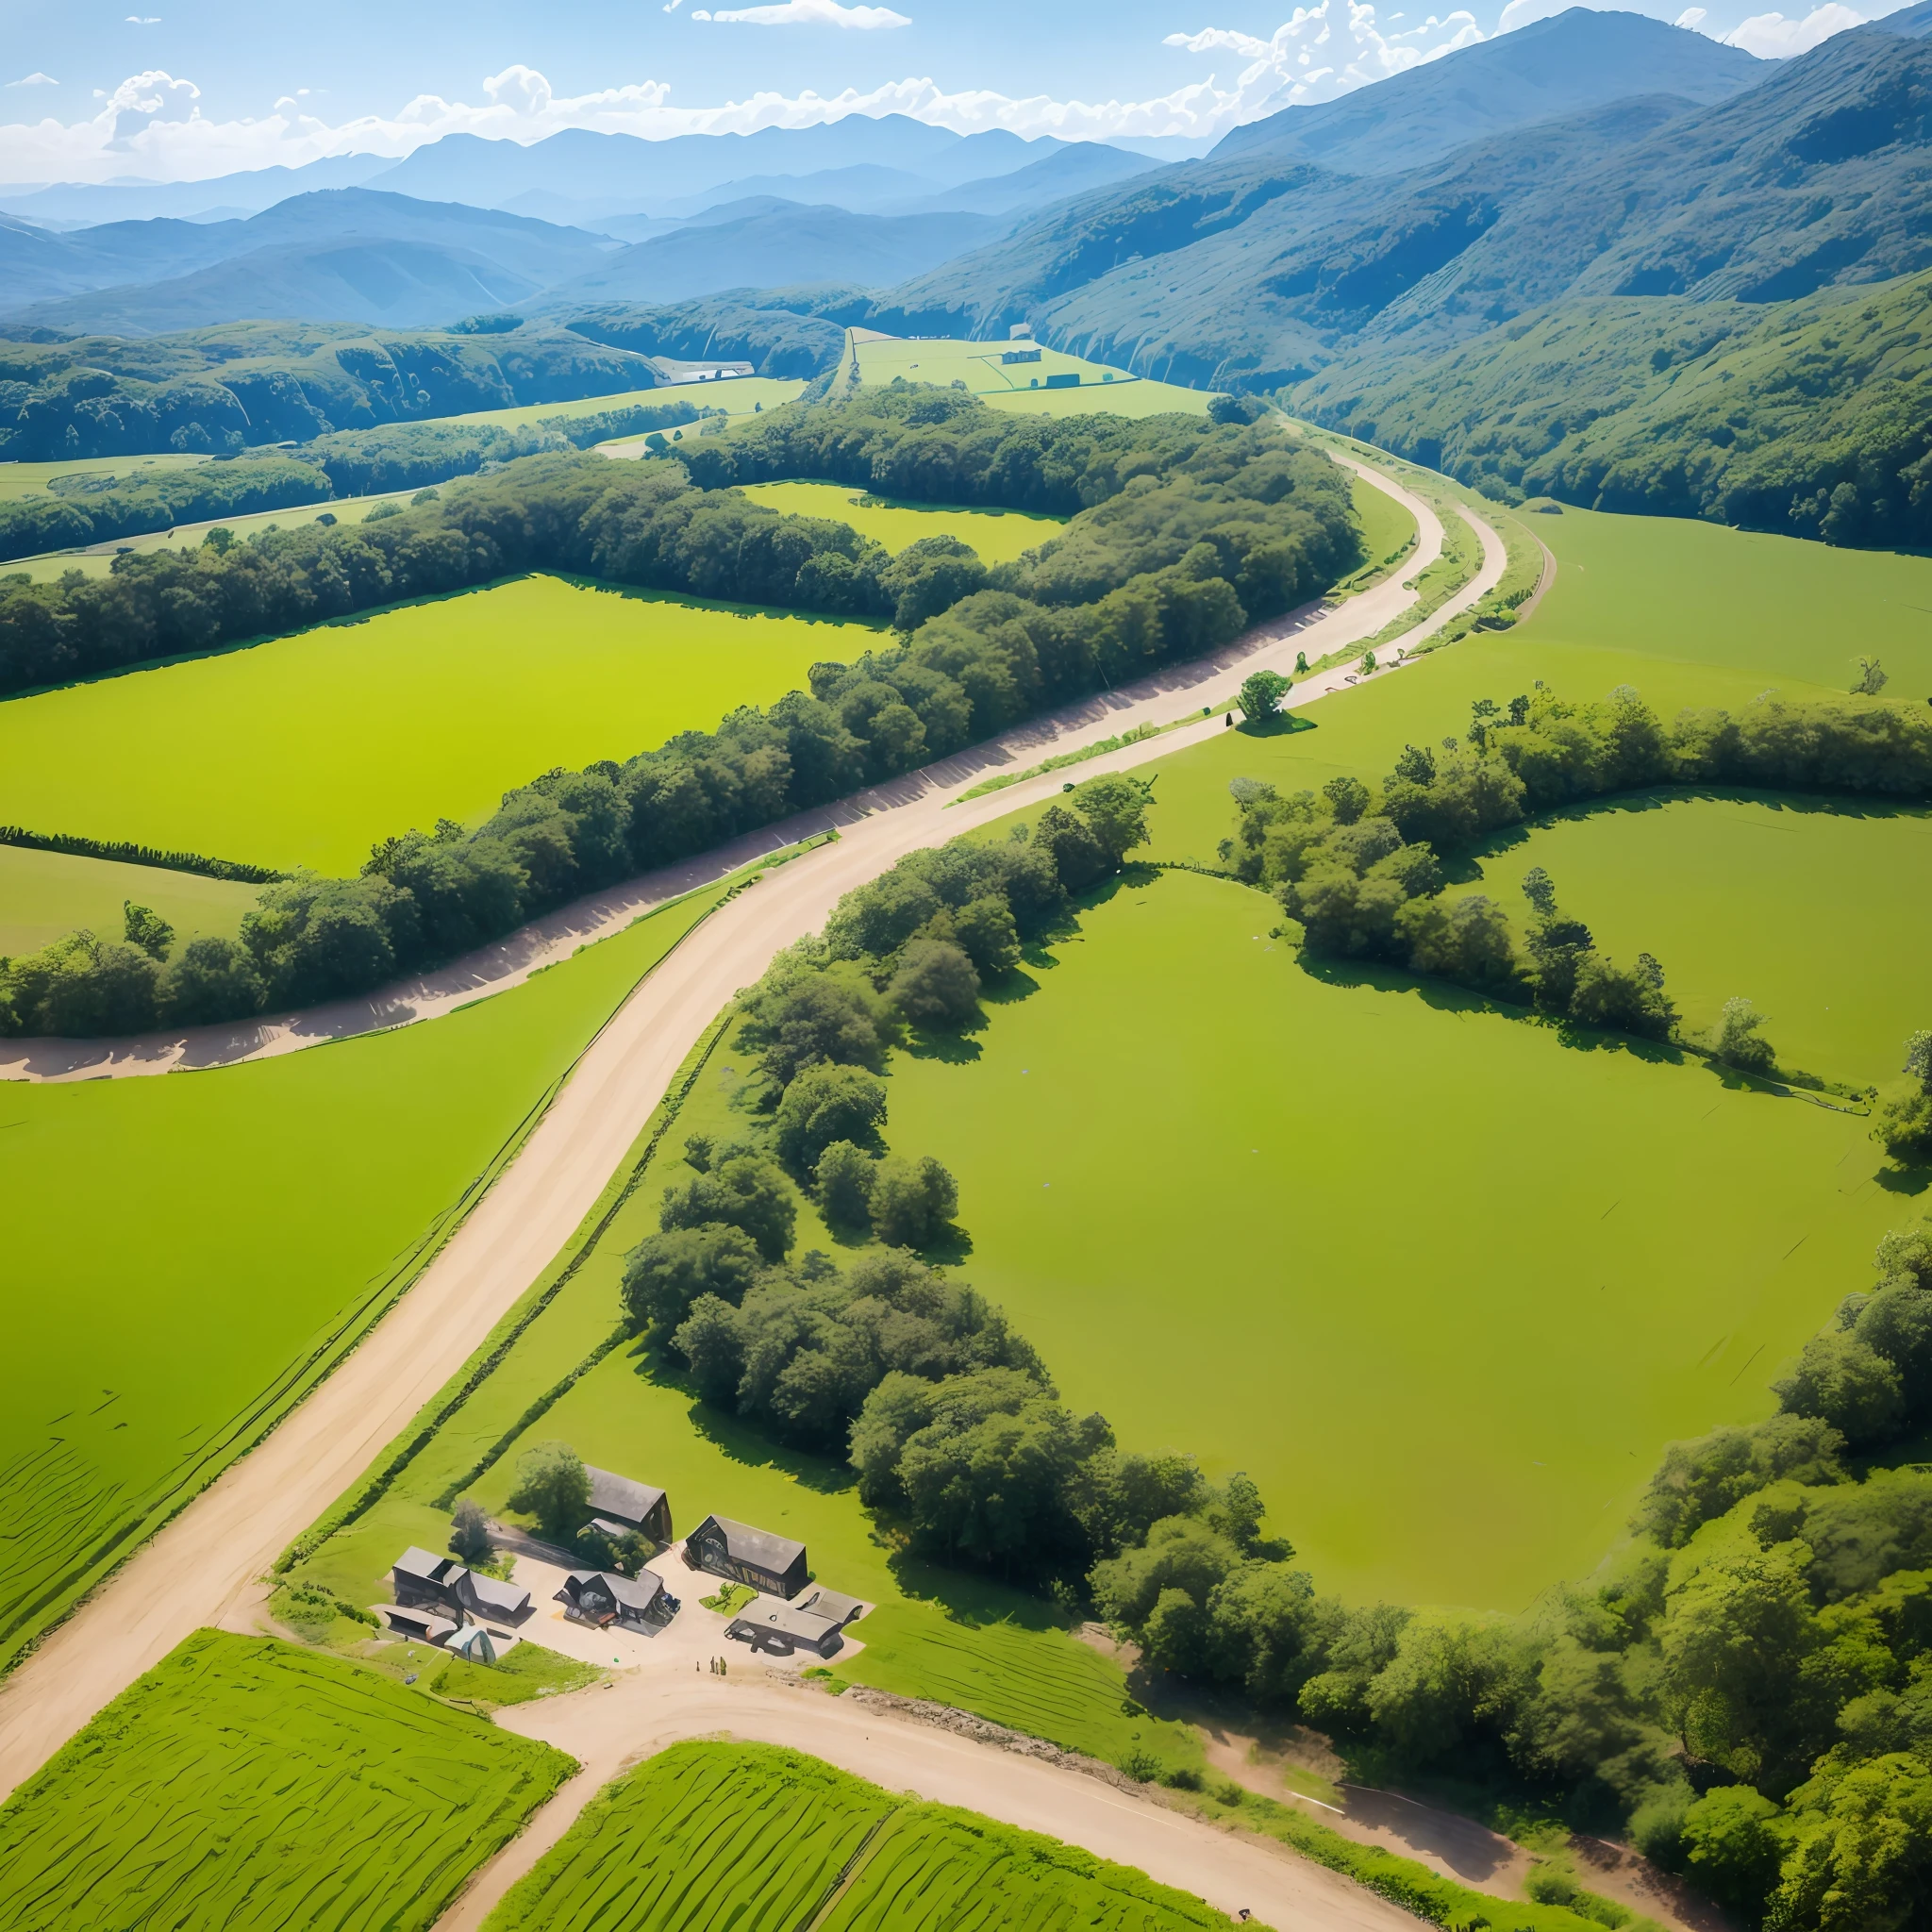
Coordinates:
(425, 1581)
(619, 1505)
(1019, 355)
(773, 1564)
(769, 1623)
(598, 1598)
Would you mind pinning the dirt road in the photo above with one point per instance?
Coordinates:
(197, 1565)
(605, 1730)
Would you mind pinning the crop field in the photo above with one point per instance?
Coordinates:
(28, 479)
(1444, 1285)
(998, 536)
(44, 894)
(228, 1234)
(936, 1633)
(706, 1836)
(1794, 903)
(249, 1786)
(306, 749)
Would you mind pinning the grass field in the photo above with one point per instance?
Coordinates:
(44, 894)
(1385, 525)
(1022, 385)
(306, 749)
(186, 1256)
(1442, 1284)
(998, 536)
(1793, 903)
(936, 1633)
(244, 1785)
(738, 395)
(708, 1837)
(28, 479)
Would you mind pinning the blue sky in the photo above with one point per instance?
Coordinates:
(200, 86)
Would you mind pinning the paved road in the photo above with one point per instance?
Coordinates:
(604, 1730)
(208, 1556)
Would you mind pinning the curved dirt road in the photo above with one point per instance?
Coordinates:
(1316, 628)
(606, 1730)
(230, 1534)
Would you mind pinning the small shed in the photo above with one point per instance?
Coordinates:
(484, 1596)
(774, 1565)
(772, 1625)
(481, 1646)
(599, 1598)
(618, 1505)
(833, 1604)
(422, 1626)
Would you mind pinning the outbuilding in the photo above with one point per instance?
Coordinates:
(425, 1581)
(601, 1599)
(619, 1505)
(772, 1625)
(771, 1564)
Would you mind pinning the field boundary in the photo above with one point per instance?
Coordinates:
(127, 851)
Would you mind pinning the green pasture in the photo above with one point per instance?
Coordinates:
(999, 535)
(1442, 1284)
(305, 750)
(1801, 905)
(706, 1836)
(1385, 525)
(226, 1234)
(1789, 612)
(979, 365)
(27, 479)
(46, 895)
(1141, 397)
(99, 559)
(935, 1633)
(246, 1785)
(736, 395)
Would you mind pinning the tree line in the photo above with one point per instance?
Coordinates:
(1171, 566)
(1759, 1718)
(83, 509)
(1361, 867)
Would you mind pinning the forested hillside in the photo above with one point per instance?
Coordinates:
(1812, 417)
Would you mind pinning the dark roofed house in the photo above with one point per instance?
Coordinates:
(771, 1564)
(618, 1505)
(770, 1624)
(424, 1626)
(423, 1581)
(600, 1598)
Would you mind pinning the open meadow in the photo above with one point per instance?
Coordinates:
(708, 1837)
(44, 895)
(306, 749)
(568, 1375)
(187, 1255)
(1022, 385)
(246, 1785)
(999, 535)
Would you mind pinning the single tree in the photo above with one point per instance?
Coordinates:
(747, 1192)
(1416, 765)
(911, 1201)
(1541, 891)
(1736, 1041)
(827, 1104)
(1261, 695)
(1871, 678)
(665, 1274)
(1115, 809)
(552, 1486)
(842, 1181)
(1348, 799)
(469, 1531)
(141, 926)
(936, 985)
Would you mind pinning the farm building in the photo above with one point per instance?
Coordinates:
(601, 1599)
(619, 1505)
(773, 1564)
(481, 1646)
(424, 1581)
(835, 1605)
(769, 1623)
(1019, 355)
(423, 1626)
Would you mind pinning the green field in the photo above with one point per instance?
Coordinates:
(1794, 903)
(44, 894)
(244, 1785)
(306, 749)
(998, 536)
(1444, 1285)
(936, 1633)
(228, 1234)
(737, 395)
(1385, 525)
(28, 479)
(1022, 385)
(708, 1837)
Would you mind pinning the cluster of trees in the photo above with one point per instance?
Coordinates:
(975, 660)
(1361, 867)
(552, 1485)
(1760, 1718)
(215, 392)
(870, 1357)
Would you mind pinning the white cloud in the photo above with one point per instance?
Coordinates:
(144, 20)
(1322, 52)
(1777, 36)
(1693, 17)
(34, 81)
(813, 14)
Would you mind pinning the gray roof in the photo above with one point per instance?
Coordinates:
(758, 1547)
(788, 1619)
(433, 1628)
(832, 1603)
(485, 1594)
(636, 1595)
(617, 1495)
(421, 1563)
